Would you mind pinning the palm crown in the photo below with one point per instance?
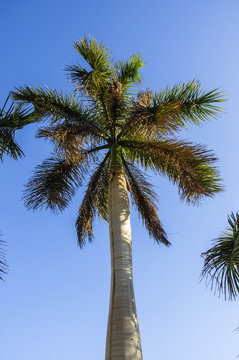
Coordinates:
(105, 123)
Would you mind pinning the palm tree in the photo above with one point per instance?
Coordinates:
(13, 118)
(107, 131)
(221, 262)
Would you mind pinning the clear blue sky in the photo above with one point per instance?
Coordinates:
(54, 301)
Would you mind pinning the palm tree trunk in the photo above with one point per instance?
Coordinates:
(123, 338)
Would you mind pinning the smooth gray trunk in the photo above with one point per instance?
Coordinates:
(123, 337)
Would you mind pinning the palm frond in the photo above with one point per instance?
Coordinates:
(8, 145)
(95, 198)
(16, 116)
(54, 183)
(196, 106)
(69, 139)
(57, 107)
(150, 120)
(189, 166)
(145, 198)
(128, 71)
(3, 264)
(98, 57)
(50, 103)
(221, 262)
(13, 118)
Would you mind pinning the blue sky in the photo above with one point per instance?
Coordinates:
(54, 301)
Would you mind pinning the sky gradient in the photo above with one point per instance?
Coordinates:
(54, 300)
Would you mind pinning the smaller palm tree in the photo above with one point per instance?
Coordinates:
(221, 262)
(12, 119)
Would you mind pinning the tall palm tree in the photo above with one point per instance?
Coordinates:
(221, 262)
(109, 132)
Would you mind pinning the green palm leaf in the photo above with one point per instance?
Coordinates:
(13, 118)
(187, 165)
(54, 183)
(196, 105)
(101, 68)
(129, 71)
(144, 199)
(95, 199)
(49, 104)
(221, 262)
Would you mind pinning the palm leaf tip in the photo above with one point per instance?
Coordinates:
(221, 262)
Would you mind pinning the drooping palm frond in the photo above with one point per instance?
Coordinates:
(8, 145)
(3, 264)
(144, 198)
(69, 139)
(221, 262)
(54, 183)
(93, 200)
(189, 166)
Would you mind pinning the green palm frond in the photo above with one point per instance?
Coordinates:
(189, 166)
(196, 106)
(49, 104)
(128, 71)
(8, 145)
(144, 198)
(54, 183)
(13, 118)
(3, 264)
(98, 57)
(221, 262)
(93, 201)
(150, 120)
